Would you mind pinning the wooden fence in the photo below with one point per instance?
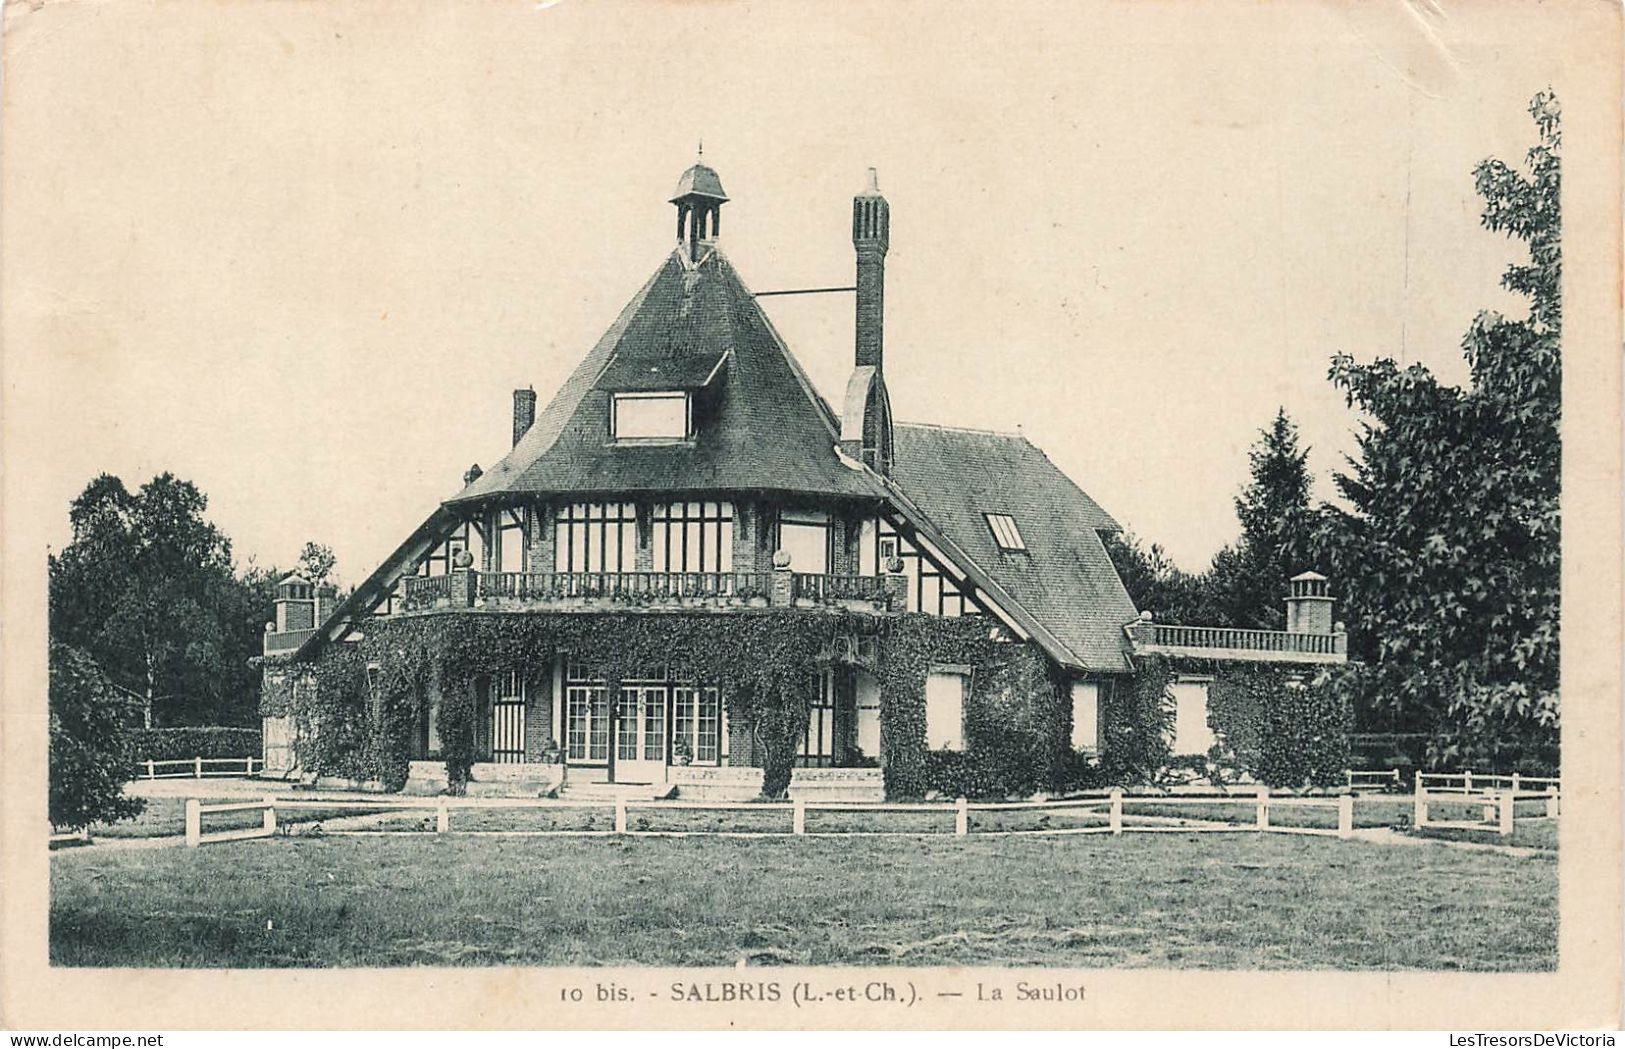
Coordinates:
(198, 768)
(957, 814)
(1495, 796)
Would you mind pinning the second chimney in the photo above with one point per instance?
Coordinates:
(871, 236)
(524, 411)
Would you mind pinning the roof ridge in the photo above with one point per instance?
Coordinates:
(966, 429)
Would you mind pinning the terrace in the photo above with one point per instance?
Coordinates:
(1213, 642)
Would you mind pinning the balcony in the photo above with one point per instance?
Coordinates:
(599, 591)
(277, 643)
(1259, 646)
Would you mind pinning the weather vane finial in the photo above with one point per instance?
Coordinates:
(702, 147)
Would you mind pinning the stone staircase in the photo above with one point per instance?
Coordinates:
(610, 792)
(837, 785)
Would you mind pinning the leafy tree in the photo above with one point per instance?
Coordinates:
(90, 758)
(1449, 552)
(145, 589)
(316, 563)
(1248, 581)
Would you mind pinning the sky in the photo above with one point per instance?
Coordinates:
(302, 254)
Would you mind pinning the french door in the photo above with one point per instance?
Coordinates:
(640, 734)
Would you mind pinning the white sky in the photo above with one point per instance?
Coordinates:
(301, 254)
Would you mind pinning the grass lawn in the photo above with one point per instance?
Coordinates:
(1174, 900)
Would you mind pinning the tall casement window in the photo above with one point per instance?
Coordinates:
(651, 417)
(508, 552)
(945, 709)
(817, 746)
(696, 723)
(693, 537)
(508, 718)
(596, 537)
(932, 588)
(806, 536)
(586, 704)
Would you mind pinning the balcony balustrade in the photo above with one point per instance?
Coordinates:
(1284, 646)
(597, 590)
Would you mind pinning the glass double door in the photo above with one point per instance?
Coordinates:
(641, 745)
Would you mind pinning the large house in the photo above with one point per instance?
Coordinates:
(688, 487)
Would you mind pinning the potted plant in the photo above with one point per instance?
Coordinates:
(551, 754)
(682, 753)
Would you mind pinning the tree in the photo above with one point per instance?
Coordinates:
(1449, 553)
(1155, 584)
(1248, 581)
(90, 758)
(316, 563)
(145, 589)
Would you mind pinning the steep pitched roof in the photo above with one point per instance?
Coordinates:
(766, 427)
(1064, 579)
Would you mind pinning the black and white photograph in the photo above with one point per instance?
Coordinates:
(838, 514)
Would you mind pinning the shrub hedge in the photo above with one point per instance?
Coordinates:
(205, 741)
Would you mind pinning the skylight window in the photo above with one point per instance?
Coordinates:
(1005, 532)
(652, 416)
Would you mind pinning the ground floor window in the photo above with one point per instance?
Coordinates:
(696, 724)
(817, 746)
(945, 710)
(586, 704)
(1085, 715)
(508, 718)
(1192, 734)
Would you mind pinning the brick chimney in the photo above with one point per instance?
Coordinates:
(866, 425)
(871, 236)
(524, 411)
(1309, 604)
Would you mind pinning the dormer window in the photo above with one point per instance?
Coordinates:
(1005, 532)
(652, 417)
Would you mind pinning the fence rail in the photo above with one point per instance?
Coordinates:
(1498, 803)
(198, 768)
(1110, 806)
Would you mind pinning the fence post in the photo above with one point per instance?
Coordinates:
(1263, 808)
(798, 816)
(270, 814)
(1419, 817)
(1507, 798)
(1551, 799)
(961, 817)
(1345, 816)
(1467, 782)
(442, 818)
(620, 815)
(151, 772)
(197, 768)
(194, 824)
(1114, 816)
(1515, 782)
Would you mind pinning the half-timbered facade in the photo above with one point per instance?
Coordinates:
(689, 466)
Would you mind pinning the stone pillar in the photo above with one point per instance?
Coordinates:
(464, 586)
(783, 590)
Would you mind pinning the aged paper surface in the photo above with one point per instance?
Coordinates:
(388, 203)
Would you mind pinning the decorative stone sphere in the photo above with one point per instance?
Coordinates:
(781, 558)
(1340, 627)
(464, 559)
(894, 564)
(1145, 617)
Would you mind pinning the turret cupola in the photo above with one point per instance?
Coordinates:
(699, 199)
